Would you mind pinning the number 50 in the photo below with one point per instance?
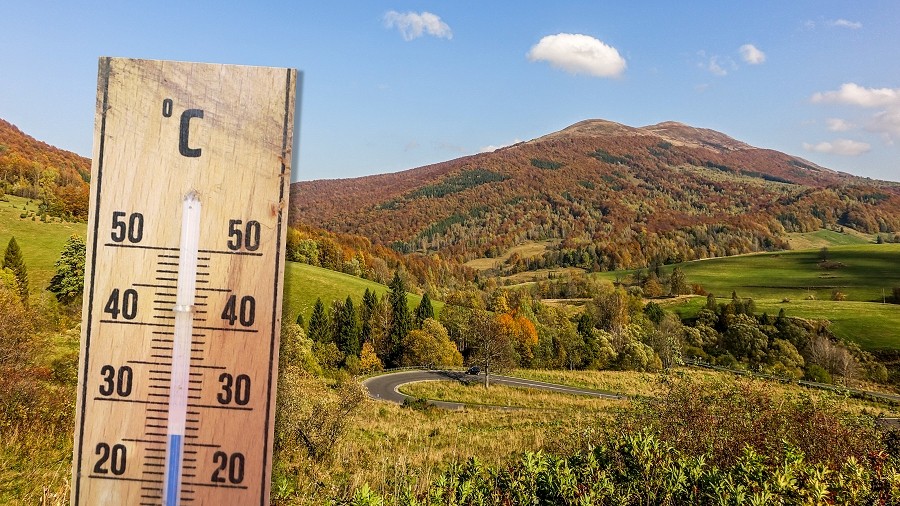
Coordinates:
(246, 236)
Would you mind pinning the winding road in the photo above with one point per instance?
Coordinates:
(387, 386)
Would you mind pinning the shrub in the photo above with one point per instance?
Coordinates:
(720, 418)
(639, 468)
(817, 373)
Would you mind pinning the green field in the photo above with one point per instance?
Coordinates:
(871, 325)
(796, 282)
(303, 284)
(41, 242)
(864, 272)
(827, 238)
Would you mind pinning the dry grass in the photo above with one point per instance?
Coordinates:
(525, 250)
(502, 395)
(541, 275)
(35, 466)
(388, 445)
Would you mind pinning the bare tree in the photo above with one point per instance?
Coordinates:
(492, 347)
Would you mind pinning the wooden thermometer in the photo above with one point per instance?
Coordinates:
(183, 288)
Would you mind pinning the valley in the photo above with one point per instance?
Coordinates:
(600, 257)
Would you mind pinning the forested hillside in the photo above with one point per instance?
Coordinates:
(58, 179)
(616, 197)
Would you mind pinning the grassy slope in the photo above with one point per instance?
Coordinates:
(828, 238)
(795, 276)
(41, 243)
(525, 250)
(871, 325)
(303, 284)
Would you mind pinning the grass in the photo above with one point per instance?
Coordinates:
(40, 242)
(866, 270)
(387, 445)
(502, 395)
(304, 283)
(825, 238)
(525, 250)
(530, 277)
(864, 273)
(873, 326)
(35, 467)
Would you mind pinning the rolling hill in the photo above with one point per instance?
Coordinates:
(29, 168)
(610, 195)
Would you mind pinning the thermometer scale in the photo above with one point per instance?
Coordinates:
(183, 283)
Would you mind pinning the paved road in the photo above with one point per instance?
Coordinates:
(386, 387)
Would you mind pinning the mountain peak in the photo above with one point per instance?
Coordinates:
(686, 135)
(674, 132)
(592, 128)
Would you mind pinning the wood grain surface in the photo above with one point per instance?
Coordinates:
(164, 129)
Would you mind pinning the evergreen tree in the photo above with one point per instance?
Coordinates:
(370, 300)
(346, 332)
(13, 261)
(585, 325)
(68, 282)
(678, 283)
(401, 320)
(424, 311)
(711, 303)
(318, 324)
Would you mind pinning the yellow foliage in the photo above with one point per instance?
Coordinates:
(368, 360)
(521, 332)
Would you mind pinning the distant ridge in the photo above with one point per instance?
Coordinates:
(598, 186)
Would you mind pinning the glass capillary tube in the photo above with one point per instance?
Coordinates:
(181, 347)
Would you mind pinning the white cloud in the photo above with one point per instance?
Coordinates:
(844, 147)
(839, 125)
(843, 23)
(886, 121)
(752, 55)
(715, 64)
(854, 94)
(489, 148)
(578, 54)
(715, 68)
(413, 25)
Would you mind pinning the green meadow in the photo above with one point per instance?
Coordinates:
(860, 272)
(40, 242)
(872, 325)
(804, 282)
(303, 284)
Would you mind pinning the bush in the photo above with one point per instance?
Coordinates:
(817, 373)
(719, 419)
(639, 468)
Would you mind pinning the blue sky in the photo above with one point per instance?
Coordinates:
(394, 85)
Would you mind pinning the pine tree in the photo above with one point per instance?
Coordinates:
(346, 332)
(424, 311)
(370, 300)
(401, 320)
(711, 303)
(13, 261)
(318, 324)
